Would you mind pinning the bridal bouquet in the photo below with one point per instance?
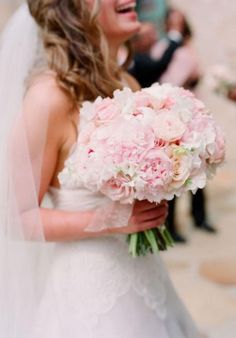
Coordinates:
(152, 144)
(220, 79)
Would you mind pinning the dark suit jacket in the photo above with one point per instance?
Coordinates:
(146, 70)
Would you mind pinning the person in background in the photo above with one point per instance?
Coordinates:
(144, 67)
(183, 70)
(153, 11)
(232, 93)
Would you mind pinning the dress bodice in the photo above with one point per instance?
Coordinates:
(75, 199)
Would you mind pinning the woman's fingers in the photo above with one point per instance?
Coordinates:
(146, 216)
(143, 206)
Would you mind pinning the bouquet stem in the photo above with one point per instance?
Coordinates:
(150, 241)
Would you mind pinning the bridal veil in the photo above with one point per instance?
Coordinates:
(24, 256)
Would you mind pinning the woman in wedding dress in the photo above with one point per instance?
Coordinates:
(58, 278)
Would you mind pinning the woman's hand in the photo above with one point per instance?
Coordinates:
(145, 216)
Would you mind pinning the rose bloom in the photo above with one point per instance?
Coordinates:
(106, 110)
(181, 164)
(156, 168)
(119, 188)
(168, 127)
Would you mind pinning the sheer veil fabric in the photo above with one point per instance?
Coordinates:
(24, 254)
(24, 257)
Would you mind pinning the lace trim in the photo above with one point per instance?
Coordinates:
(86, 298)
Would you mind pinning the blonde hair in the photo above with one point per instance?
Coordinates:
(76, 49)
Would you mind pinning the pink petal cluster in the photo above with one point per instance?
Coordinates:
(151, 144)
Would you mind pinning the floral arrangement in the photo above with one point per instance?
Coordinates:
(151, 144)
(220, 79)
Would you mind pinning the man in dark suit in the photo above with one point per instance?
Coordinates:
(146, 69)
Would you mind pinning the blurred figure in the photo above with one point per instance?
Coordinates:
(232, 94)
(184, 71)
(145, 68)
(146, 38)
(153, 11)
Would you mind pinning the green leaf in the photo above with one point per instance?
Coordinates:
(188, 181)
(178, 151)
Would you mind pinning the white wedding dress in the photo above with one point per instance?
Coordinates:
(95, 289)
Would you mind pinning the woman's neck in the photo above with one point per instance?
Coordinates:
(113, 52)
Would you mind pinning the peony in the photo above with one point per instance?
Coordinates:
(155, 168)
(119, 188)
(106, 110)
(168, 127)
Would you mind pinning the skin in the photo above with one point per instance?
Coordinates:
(146, 38)
(62, 134)
(175, 21)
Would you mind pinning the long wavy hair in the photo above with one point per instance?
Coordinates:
(75, 47)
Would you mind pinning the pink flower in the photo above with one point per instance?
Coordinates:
(106, 110)
(119, 188)
(168, 127)
(152, 144)
(143, 100)
(217, 149)
(155, 168)
(181, 165)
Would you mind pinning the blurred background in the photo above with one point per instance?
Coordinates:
(203, 263)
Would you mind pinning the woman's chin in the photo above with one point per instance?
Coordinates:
(128, 30)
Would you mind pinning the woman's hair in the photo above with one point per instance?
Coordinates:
(75, 47)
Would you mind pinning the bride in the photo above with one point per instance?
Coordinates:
(58, 278)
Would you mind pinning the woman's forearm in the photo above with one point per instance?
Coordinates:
(62, 225)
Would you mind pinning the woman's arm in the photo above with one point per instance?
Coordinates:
(67, 226)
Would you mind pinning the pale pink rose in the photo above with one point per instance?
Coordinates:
(106, 110)
(156, 168)
(168, 127)
(119, 189)
(181, 166)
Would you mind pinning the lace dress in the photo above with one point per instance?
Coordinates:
(95, 289)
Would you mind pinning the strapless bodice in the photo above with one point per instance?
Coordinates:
(75, 199)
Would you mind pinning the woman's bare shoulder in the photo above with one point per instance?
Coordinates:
(45, 93)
